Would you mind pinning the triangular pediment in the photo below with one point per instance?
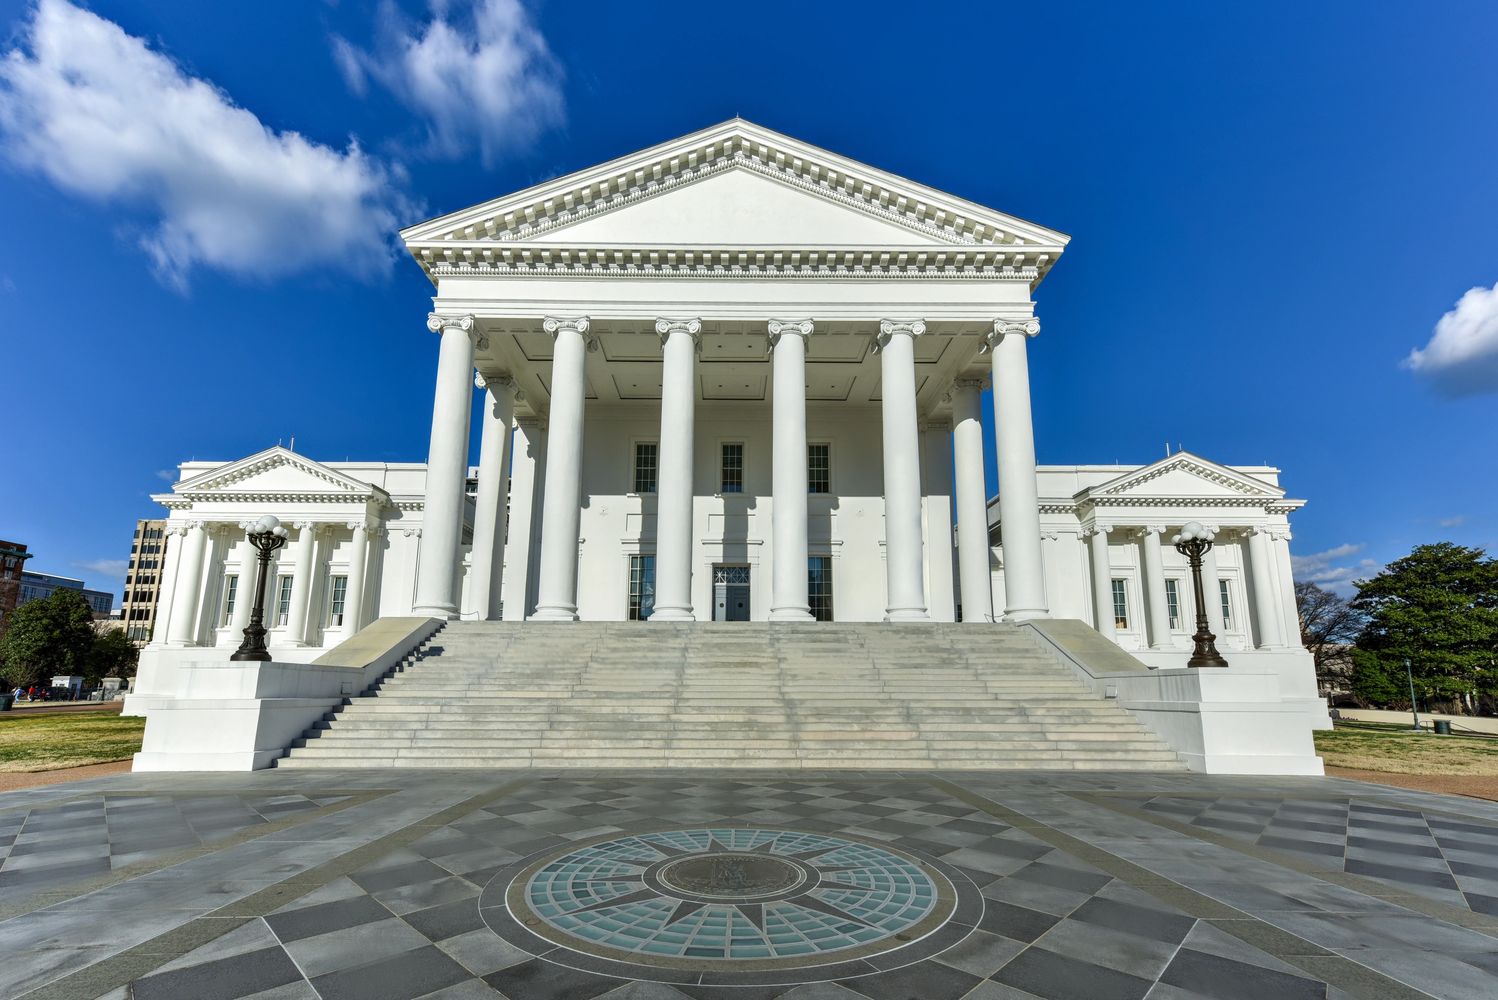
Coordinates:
(1187, 476)
(739, 207)
(733, 185)
(278, 471)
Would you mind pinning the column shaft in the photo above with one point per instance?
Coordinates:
(1266, 605)
(562, 515)
(1212, 590)
(184, 624)
(972, 502)
(447, 469)
(244, 595)
(1154, 585)
(1102, 583)
(486, 567)
(1019, 504)
(353, 597)
(789, 591)
(1289, 610)
(904, 550)
(673, 518)
(301, 583)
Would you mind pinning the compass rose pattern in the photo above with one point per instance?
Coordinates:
(731, 894)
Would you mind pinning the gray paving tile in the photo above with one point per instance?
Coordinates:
(482, 952)
(538, 980)
(398, 977)
(980, 953)
(927, 980)
(322, 918)
(353, 946)
(1060, 977)
(223, 979)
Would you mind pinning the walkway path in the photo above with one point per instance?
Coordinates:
(640, 885)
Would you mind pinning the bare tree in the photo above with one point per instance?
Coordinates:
(1327, 622)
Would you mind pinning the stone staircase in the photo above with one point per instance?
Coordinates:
(750, 695)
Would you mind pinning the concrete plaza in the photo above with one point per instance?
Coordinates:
(389, 885)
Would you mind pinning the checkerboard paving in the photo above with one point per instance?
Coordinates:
(1434, 854)
(408, 924)
(52, 846)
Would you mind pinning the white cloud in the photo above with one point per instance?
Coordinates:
(486, 79)
(108, 569)
(1334, 569)
(168, 475)
(1462, 356)
(1455, 521)
(101, 116)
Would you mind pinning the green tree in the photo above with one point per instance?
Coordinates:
(45, 637)
(112, 655)
(1438, 607)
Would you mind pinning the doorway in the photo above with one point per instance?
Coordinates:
(730, 593)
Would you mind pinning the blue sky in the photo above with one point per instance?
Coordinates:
(1271, 207)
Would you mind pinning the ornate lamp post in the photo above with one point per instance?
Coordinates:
(1193, 542)
(267, 535)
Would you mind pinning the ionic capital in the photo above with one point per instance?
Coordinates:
(498, 384)
(1151, 529)
(1278, 533)
(961, 385)
(304, 525)
(793, 327)
(1002, 327)
(554, 325)
(411, 532)
(690, 327)
(1096, 529)
(359, 525)
(891, 328)
(437, 322)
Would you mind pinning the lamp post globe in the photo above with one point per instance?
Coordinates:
(1193, 542)
(266, 535)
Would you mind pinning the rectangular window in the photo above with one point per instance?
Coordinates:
(1227, 604)
(283, 599)
(819, 587)
(645, 464)
(819, 468)
(231, 591)
(1173, 602)
(641, 587)
(733, 468)
(337, 588)
(1120, 605)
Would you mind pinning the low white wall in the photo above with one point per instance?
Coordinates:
(1471, 723)
(1221, 721)
(1294, 668)
(221, 715)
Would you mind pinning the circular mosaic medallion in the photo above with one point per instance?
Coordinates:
(733, 900)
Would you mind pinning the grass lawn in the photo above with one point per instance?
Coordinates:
(45, 742)
(1394, 749)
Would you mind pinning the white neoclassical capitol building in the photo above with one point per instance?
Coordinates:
(732, 377)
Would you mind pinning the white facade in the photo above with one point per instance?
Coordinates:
(742, 366)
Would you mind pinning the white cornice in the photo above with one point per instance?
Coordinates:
(486, 258)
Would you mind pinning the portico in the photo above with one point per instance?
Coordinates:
(736, 275)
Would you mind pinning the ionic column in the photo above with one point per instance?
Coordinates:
(972, 501)
(1154, 586)
(789, 601)
(353, 597)
(561, 516)
(189, 582)
(447, 467)
(1102, 581)
(1279, 536)
(486, 568)
(1210, 587)
(904, 551)
(244, 598)
(301, 583)
(1019, 504)
(673, 520)
(1261, 571)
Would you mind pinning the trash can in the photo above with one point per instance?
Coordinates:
(6, 700)
(1442, 727)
